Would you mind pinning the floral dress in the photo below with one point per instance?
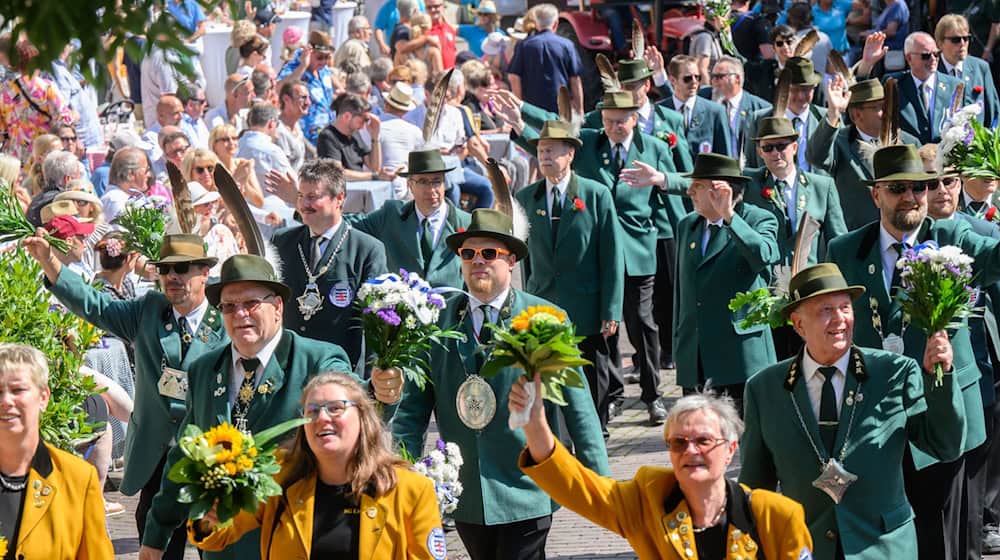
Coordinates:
(30, 107)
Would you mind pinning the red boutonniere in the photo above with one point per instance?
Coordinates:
(991, 214)
(578, 204)
(672, 139)
(977, 89)
(460, 230)
(772, 195)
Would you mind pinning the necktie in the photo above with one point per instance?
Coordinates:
(977, 206)
(619, 157)
(828, 418)
(800, 156)
(896, 279)
(687, 117)
(556, 213)
(317, 250)
(925, 95)
(713, 232)
(426, 241)
(245, 395)
(185, 331)
(485, 333)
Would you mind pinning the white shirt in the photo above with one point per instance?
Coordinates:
(236, 378)
(325, 238)
(626, 146)
(865, 138)
(495, 305)
(966, 200)
(114, 202)
(194, 317)
(398, 138)
(707, 234)
(889, 253)
(950, 69)
(551, 189)
(645, 114)
(436, 219)
(814, 381)
(685, 108)
(789, 194)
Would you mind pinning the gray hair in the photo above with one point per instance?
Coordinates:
(326, 172)
(357, 23)
(260, 81)
(58, 166)
(734, 63)
(722, 407)
(911, 41)
(358, 83)
(380, 68)
(546, 16)
(126, 161)
(457, 82)
(17, 356)
(406, 8)
(261, 114)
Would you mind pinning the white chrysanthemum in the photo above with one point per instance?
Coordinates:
(454, 453)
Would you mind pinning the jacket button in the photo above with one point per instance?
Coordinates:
(831, 534)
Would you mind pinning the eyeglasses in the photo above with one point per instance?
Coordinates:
(322, 57)
(488, 253)
(898, 188)
(250, 305)
(704, 444)
(427, 183)
(690, 78)
(180, 268)
(959, 39)
(781, 43)
(198, 101)
(772, 147)
(68, 138)
(198, 169)
(722, 76)
(928, 55)
(178, 151)
(335, 409)
(947, 181)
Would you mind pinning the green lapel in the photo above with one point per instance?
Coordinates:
(170, 340)
(800, 394)
(853, 142)
(716, 244)
(852, 398)
(408, 215)
(223, 368)
(569, 209)
(272, 380)
(538, 216)
(605, 162)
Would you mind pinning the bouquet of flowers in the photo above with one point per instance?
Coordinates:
(539, 340)
(722, 9)
(441, 466)
(15, 227)
(229, 467)
(3, 547)
(763, 308)
(936, 288)
(145, 222)
(968, 146)
(399, 313)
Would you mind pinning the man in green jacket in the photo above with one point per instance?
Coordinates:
(325, 261)
(254, 382)
(575, 258)
(832, 424)
(502, 513)
(413, 232)
(168, 330)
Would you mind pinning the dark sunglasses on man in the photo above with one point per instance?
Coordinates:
(917, 187)
(957, 39)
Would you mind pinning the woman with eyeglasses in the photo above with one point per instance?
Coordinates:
(687, 510)
(344, 493)
(224, 141)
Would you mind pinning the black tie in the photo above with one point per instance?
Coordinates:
(619, 157)
(556, 213)
(896, 278)
(977, 206)
(485, 334)
(828, 418)
(185, 332)
(713, 232)
(426, 241)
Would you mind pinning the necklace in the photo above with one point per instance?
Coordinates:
(13, 486)
(715, 520)
(893, 342)
(310, 302)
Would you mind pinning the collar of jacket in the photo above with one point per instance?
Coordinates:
(856, 365)
(870, 237)
(741, 529)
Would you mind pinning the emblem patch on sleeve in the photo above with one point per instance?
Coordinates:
(436, 544)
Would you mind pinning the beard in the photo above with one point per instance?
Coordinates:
(481, 285)
(907, 220)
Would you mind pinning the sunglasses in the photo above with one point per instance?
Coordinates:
(180, 268)
(250, 305)
(206, 169)
(68, 138)
(959, 39)
(704, 444)
(722, 76)
(427, 183)
(772, 147)
(902, 187)
(929, 55)
(335, 409)
(946, 181)
(690, 78)
(488, 254)
(228, 139)
(781, 43)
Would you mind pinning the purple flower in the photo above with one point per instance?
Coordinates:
(389, 316)
(969, 137)
(441, 446)
(436, 301)
(428, 461)
(368, 310)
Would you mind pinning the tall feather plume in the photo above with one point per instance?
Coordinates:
(806, 44)
(566, 112)
(808, 229)
(609, 78)
(505, 201)
(435, 105)
(889, 134)
(237, 206)
(836, 62)
(957, 98)
(638, 40)
(781, 92)
(187, 222)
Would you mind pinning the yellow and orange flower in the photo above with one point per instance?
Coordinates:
(3, 547)
(228, 439)
(536, 314)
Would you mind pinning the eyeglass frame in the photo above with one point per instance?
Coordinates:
(481, 252)
(250, 305)
(313, 410)
(710, 444)
(958, 39)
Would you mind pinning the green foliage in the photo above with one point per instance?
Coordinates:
(979, 159)
(145, 225)
(15, 227)
(762, 308)
(26, 318)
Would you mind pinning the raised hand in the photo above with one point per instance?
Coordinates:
(641, 175)
(838, 96)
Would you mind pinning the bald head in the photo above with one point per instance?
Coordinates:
(169, 110)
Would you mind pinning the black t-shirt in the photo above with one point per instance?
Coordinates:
(335, 523)
(11, 503)
(750, 30)
(348, 150)
(399, 33)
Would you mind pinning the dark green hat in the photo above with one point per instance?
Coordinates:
(184, 248)
(492, 224)
(246, 268)
(816, 281)
(802, 72)
(716, 167)
(633, 71)
(773, 128)
(617, 100)
(425, 161)
(557, 130)
(865, 91)
(899, 162)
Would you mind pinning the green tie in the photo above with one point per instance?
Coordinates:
(556, 213)
(426, 241)
(828, 418)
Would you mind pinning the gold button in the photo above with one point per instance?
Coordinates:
(750, 546)
(831, 534)
(735, 547)
(737, 533)
(682, 515)
(684, 529)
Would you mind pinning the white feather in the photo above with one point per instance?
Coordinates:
(274, 259)
(522, 228)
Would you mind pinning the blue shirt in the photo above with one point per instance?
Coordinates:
(323, 13)
(834, 22)
(474, 35)
(388, 16)
(900, 12)
(320, 86)
(196, 131)
(187, 13)
(544, 62)
(99, 178)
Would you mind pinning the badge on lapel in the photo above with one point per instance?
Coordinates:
(340, 294)
(704, 147)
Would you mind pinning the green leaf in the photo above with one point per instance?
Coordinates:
(262, 438)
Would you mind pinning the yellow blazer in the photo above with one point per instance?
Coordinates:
(635, 510)
(63, 512)
(404, 523)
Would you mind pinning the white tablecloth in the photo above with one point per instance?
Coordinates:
(342, 13)
(213, 62)
(288, 19)
(367, 196)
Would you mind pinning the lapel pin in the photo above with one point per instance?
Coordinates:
(39, 503)
(219, 392)
(540, 212)
(849, 401)
(170, 327)
(46, 491)
(36, 484)
(871, 269)
(370, 512)
(692, 245)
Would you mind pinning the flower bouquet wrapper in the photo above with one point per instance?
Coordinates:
(539, 340)
(231, 470)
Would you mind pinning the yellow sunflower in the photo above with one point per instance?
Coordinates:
(244, 464)
(227, 439)
(546, 314)
(231, 468)
(3, 547)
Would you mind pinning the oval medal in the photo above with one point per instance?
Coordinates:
(475, 402)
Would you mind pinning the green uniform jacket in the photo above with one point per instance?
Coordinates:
(738, 259)
(496, 491)
(397, 225)
(752, 159)
(361, 257)
(977, 72)
(840, 153)
(889, 408)
(295, 360)
(858, 256)
(148, 323)
(815, 195)
(583, 270)
(913, 116)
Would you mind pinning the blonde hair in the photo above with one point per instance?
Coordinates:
(372, 467)
(197, 154)
(243, 31)
(10, 169)
(419, 69)
(16, 356)
(948, 24)
(219, 131)
(420, 23)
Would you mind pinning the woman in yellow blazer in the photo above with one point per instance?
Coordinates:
(51, 505)
(344, 492)
(687, 512)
